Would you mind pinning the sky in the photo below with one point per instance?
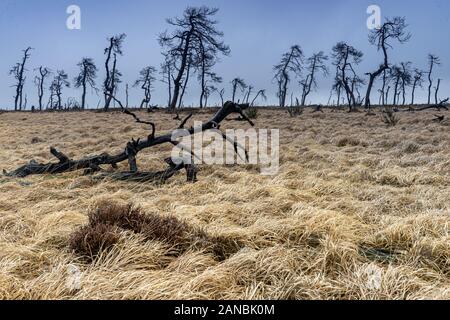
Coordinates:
(257, 31)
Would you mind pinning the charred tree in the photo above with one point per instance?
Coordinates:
(344, 57)
(109, 85)
(59, 82)
(237, 84)
(88, 73)
(93, 163)
(145, 81)
(315, 64)
(18, 71)
(417, 82)
(433, 61)
(195, 30)
(291, 64)
(39, 81)
(392, 29)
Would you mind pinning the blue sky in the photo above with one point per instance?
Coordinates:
(258, 32)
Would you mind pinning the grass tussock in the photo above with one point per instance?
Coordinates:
(102, 232)
(358, 210)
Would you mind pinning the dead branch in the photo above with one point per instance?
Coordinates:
(439, 106)
(94, 163)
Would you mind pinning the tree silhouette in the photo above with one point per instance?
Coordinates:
(344, 57)
(88, 73)
(291, 63)
(145, 81)
(392, 29)
(436, 92)
(39, 81)
(406, 78)
(112, 75)
(432, 61)
(237, 83)
(18, 71)
(417, 82)
(59, 82)
(167, 74)
(195, 33)
(261, 93)
(315, 64)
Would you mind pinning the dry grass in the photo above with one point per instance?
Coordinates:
(352, 195)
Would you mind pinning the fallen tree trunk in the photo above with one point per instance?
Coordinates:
(439, 106)
(93, 163)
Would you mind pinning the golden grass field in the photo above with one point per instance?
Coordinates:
(353, 199)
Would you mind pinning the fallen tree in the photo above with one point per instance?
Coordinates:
(93, 164)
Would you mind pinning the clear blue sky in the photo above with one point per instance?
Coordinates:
(258, 32)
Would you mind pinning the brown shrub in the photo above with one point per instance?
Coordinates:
(89, 241)
(96, 236)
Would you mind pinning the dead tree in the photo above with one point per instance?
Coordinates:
(88, 73)
(436, 92)
(344, 57)
(291, 64)
(167, 74)
(196, 29)
(315, 64)
(145, 81)
(396, 75)
(441, 105)
(384, 93)
(237, 83)
(18, 71)
(59, 82)
(418, 82)
(185, 83)
(222, 95)
(109, 85)
(261, 93)
(406, 78)
(392, 29)
(207, 80)
(93, 164)
(432, 61)
(39, 81)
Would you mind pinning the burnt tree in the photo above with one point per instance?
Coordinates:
(392, 29)
(291, 64)
(315, 64)
(109, 85)
(433, 61)
(145, 81)
(345, 57)
(195, 29)
(237, 84)
(18, 71)
(39, 81)
(417, 82)
(93, 164)
(86, 77)
(59, 82)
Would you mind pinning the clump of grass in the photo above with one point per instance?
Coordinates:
(89, 241)
(348, 141)
(178, 234)
(388, 117)
(251, 113)
(295, 111)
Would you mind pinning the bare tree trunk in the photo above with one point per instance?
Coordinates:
(430, 82)
(178, 79)
(437, 91)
